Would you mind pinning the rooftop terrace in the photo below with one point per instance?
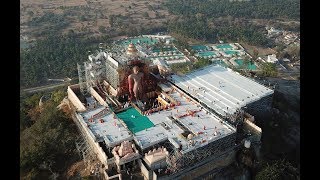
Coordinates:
(170, 124)
(173, 124)
(221, 89)
(109, 129)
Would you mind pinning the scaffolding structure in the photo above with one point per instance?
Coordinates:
(91, 72)
(85, 151)
(82, 80)
(88, 156)
(178, 161)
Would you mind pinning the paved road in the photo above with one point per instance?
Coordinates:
(43, 88)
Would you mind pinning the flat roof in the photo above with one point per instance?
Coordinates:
(111, 130)
(206, 128)
(221, 89)
(168, 125)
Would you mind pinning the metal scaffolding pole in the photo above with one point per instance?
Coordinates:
(82, 79)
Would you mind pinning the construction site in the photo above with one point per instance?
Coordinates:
(139, 120)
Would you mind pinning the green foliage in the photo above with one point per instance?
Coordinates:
(88, 178)
(54, 57)
(261, 9)
(26, 104)
(30, 13)
(211, 20)
(268, 70)
(48, 17)
(102, 29)
(188, 67)
(145, 14)
(193, 27)
(198, 28)
(33, 174)
(82, 18)
(117, 20)
(25, 121)
(58, 96)
(150, 7)
(278, 170)
(49, 23)
(181, 67)
(202, 62)
(293, 52)
(181, 44)
(111, 20)
(32, 101)
(49, 138)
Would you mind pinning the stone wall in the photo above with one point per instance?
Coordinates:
(75, 100)
(261, 106)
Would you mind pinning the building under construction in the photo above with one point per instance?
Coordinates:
(136, 116)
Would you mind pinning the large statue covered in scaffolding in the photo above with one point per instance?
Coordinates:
(135, 81)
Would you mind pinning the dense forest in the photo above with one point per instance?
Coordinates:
(50, 22)
(47, 137)
(53, 57)
(214, 20)
(263, 9)
(200, 28)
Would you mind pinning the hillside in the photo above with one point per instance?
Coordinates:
(89, 17)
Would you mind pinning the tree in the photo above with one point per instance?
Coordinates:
(54, 56)
(25, 121)
(294, 52)
(82, 18)
(58, 96)
(150, 7)
(30, 13)
(71, 32)
(32, 101)
(268, 69)
(262, 9)
(102, 29)
(111, 20)
(145, 14)
(48, 139)
(34, 113)
(202, 62)
(280, 169)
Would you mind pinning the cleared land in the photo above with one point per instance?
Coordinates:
(90, 17)
(261, 50)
